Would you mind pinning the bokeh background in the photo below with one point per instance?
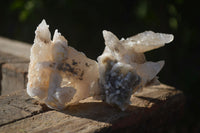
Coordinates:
(82, 22)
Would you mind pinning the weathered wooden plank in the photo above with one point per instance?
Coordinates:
(15, 48)
(53, 120)
(8, 58)
(152, 110)
(14, 77)
(17, 106)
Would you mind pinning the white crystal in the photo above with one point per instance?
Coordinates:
(123, 67)
(58, 74)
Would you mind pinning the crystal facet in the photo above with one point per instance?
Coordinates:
(60, 76)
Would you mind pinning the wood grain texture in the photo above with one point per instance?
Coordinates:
(11, 72)
(16, 48)
(17, 106)
(14, 77)
(152, 110)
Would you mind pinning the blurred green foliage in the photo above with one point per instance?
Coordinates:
(82, 22)
(25, 8)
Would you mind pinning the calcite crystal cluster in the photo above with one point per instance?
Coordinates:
(60, 76)
(123, 67)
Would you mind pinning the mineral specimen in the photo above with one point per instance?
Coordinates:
(123, 67)
(60, 76)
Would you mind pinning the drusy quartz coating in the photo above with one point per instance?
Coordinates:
(60, 76)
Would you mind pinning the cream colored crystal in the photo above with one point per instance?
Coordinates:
(123, 67)
(58, 74)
